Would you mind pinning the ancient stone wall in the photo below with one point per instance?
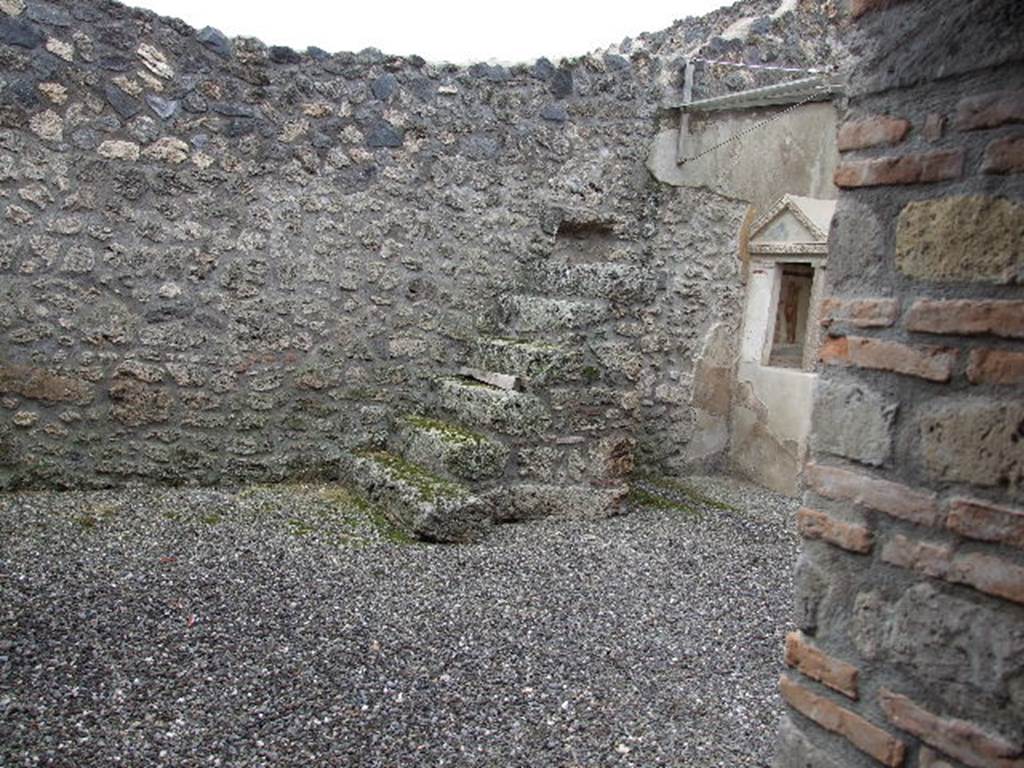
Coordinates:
(222, 260)
(910, 599)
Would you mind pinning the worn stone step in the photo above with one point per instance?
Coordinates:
(620, 282)
(449, 449)
(501, 410)
(540, 314)
(535, 362)
(574, 459)
(416, 500)
(530, 501)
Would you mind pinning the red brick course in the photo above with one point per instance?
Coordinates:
(967, 317)
(817, 665)
(1004, 156)
(892, 498)
(996, 366)
(985, 573)
(931, 363)
(934, 125)
(986, 522)
(867, 737)
(814, 524)
(921, 168)
(873, 131)
(862, 313)
(966, 741)
(990, 110)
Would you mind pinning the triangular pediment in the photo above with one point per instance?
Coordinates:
(794, 220)
(785, 227)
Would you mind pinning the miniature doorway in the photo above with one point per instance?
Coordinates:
(781, 336)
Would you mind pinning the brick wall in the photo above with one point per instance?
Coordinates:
(910, 596)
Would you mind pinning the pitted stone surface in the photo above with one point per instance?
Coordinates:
(531, 501)
(537, 362)
(509, 412)
(538, 314)
(972, 238)
(451, 450)
(854, 421)
(424, 505)
(975, 442)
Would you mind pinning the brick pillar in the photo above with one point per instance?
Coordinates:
(910, 585)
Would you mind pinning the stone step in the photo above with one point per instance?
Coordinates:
(575, 459)
(448, 449)
(501, 410)
(531, 501)
(540, 314)
(535, 362)
(621, 282)
(428, 507)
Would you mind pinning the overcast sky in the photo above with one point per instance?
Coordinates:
(460, 31)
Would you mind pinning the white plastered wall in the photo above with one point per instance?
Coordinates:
(772, 406)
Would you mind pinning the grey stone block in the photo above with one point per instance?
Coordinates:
(531, 501)
(505, 411)
(450, 450)
(853, 421)
(417, 501)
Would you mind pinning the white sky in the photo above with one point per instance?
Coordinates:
(460, 31)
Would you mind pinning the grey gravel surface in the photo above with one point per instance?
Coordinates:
(277, 626)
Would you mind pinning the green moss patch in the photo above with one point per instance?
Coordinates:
(388, 529)
(450, 433)
(429, 487)
(96, 516)
(333, 514)
(644, 499)
(691, 493)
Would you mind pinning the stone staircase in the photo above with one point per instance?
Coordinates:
(530, 428)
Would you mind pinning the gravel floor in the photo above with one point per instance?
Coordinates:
(278, 626)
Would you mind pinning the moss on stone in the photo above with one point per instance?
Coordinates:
(356, 508)
(694, 495)
(640, 498)
(428, 486)
(448, 432)
(87, 521)
(345, 497)
(388, 529)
